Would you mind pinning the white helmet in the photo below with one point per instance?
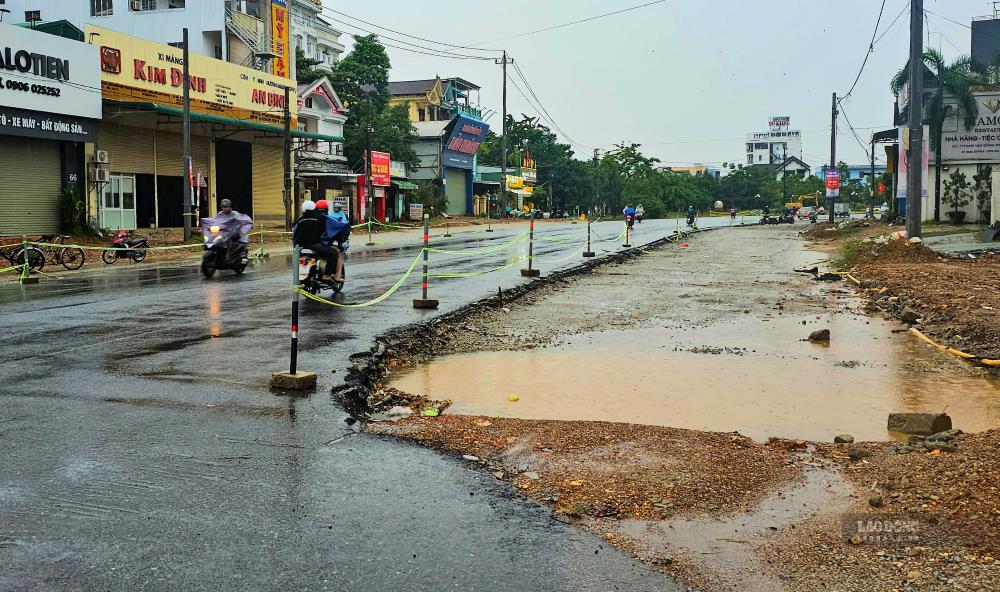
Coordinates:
(308, 206)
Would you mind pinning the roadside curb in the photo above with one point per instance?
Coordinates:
(425, 339)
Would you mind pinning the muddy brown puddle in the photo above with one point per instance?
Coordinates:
(748, 375)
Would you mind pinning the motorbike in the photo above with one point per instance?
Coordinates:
(786, 219)
(629, 220)
(310, 272)
(226, 239)
(813, 218)
(690, 221)
(135, 247)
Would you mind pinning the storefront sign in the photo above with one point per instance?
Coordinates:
(397, 169)
(982, 142)
(279, 37)
(779, 122)
(530, 176)
(416, 211)
(832, 182)
(48, 74)
(380, 169)
(515, 182)
(464, 137)
(33, 124)
(136, 70)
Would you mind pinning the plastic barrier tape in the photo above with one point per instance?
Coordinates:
(373, 301)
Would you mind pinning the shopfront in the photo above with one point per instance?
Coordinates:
(49, 107)
(237, 131)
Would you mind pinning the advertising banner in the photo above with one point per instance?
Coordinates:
(32, 124)
(464, 137)
(48, 74)
(982, 142)
(136, 70)
(380, 169)
(901, 182)
(416, 212)
(279, 38)
(832, 182)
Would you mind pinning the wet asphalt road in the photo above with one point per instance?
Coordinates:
(143, 451)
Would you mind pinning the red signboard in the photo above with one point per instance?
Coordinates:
(832, 179)
(380, 169)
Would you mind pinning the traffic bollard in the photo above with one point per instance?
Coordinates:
(425, 302)
(588, 252)
(447, 229)
(531, 271)
(25, 270)
(628, 236)
(371, 242)
(294, 380)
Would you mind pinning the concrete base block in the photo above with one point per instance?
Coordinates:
(489, 230)
(590, 254)
(627, 245)
(29, 280)
(300, 381)
(425, 303)
(530, 272)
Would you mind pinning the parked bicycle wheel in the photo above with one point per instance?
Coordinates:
(71, 257)
(109, 256)
(35, 257)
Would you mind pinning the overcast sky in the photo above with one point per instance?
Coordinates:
(685, 78)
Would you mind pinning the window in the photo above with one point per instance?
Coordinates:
(421, 114)
(218, 52)
(749, 147)
(101, 8)
(148, 5)
(309, 102)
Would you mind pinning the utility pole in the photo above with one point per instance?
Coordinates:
(287, 160)
(915, 156)
(833, 153)
(503, 138)
(369, 188)
(873, 186)
(186, 210)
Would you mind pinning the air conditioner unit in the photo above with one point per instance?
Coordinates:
(135, 5)
(101, 157)
(102, 176)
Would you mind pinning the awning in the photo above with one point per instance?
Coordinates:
(405, 185)
(209, 118)
(521, 193)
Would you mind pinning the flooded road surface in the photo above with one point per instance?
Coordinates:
(755, 376)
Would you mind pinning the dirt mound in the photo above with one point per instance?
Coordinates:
(895, 251)
(844, 229)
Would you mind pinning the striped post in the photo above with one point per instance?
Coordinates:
(589, 252)
(628, 235)
(530, 271)
(424, 302)
(293, 380)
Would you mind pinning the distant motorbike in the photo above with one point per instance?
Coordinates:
(135, 247)
(226, 239)
(311, 276)
(629, 220)
(691, 222)
(813, 218)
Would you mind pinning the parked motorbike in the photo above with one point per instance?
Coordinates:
(226, 239)
(786, 219)
(311, 273)
(135, 247)
(813, 218)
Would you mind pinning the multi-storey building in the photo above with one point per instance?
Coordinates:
(771, 148)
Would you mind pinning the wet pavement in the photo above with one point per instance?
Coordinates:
(144, 451)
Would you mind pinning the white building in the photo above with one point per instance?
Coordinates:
(237, 31)
(316, 37)
(775, 146)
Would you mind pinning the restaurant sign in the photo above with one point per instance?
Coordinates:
(140, 71)
(464, 135)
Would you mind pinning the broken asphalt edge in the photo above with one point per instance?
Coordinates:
(423, 340)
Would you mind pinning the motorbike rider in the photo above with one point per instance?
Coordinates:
(629, 212)
(335, 237)
(308, 234)
(338, 213)
(640, 212)
(690, 214)
(226, 211)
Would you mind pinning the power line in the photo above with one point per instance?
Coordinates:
(527, 84)
(539, 112)
(889, 28)
(871, 49)
(854, 133)
(431, 51)
(407, 34)
(577, 22)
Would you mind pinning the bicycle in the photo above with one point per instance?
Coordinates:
(37, 256)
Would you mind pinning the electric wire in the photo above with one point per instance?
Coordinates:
(577, 22)
(344, 14)
(871, 50)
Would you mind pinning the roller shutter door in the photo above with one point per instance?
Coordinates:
(131, 150)
(268, 185)
(29, 186)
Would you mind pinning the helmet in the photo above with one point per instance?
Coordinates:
(225, 204)
(308, 205)
(322, 205)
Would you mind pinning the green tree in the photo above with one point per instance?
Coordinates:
(305, 68)
(361, 80)
(983, 190)
(955, 79)
(956, 191)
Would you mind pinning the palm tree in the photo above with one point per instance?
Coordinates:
(955, 79)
